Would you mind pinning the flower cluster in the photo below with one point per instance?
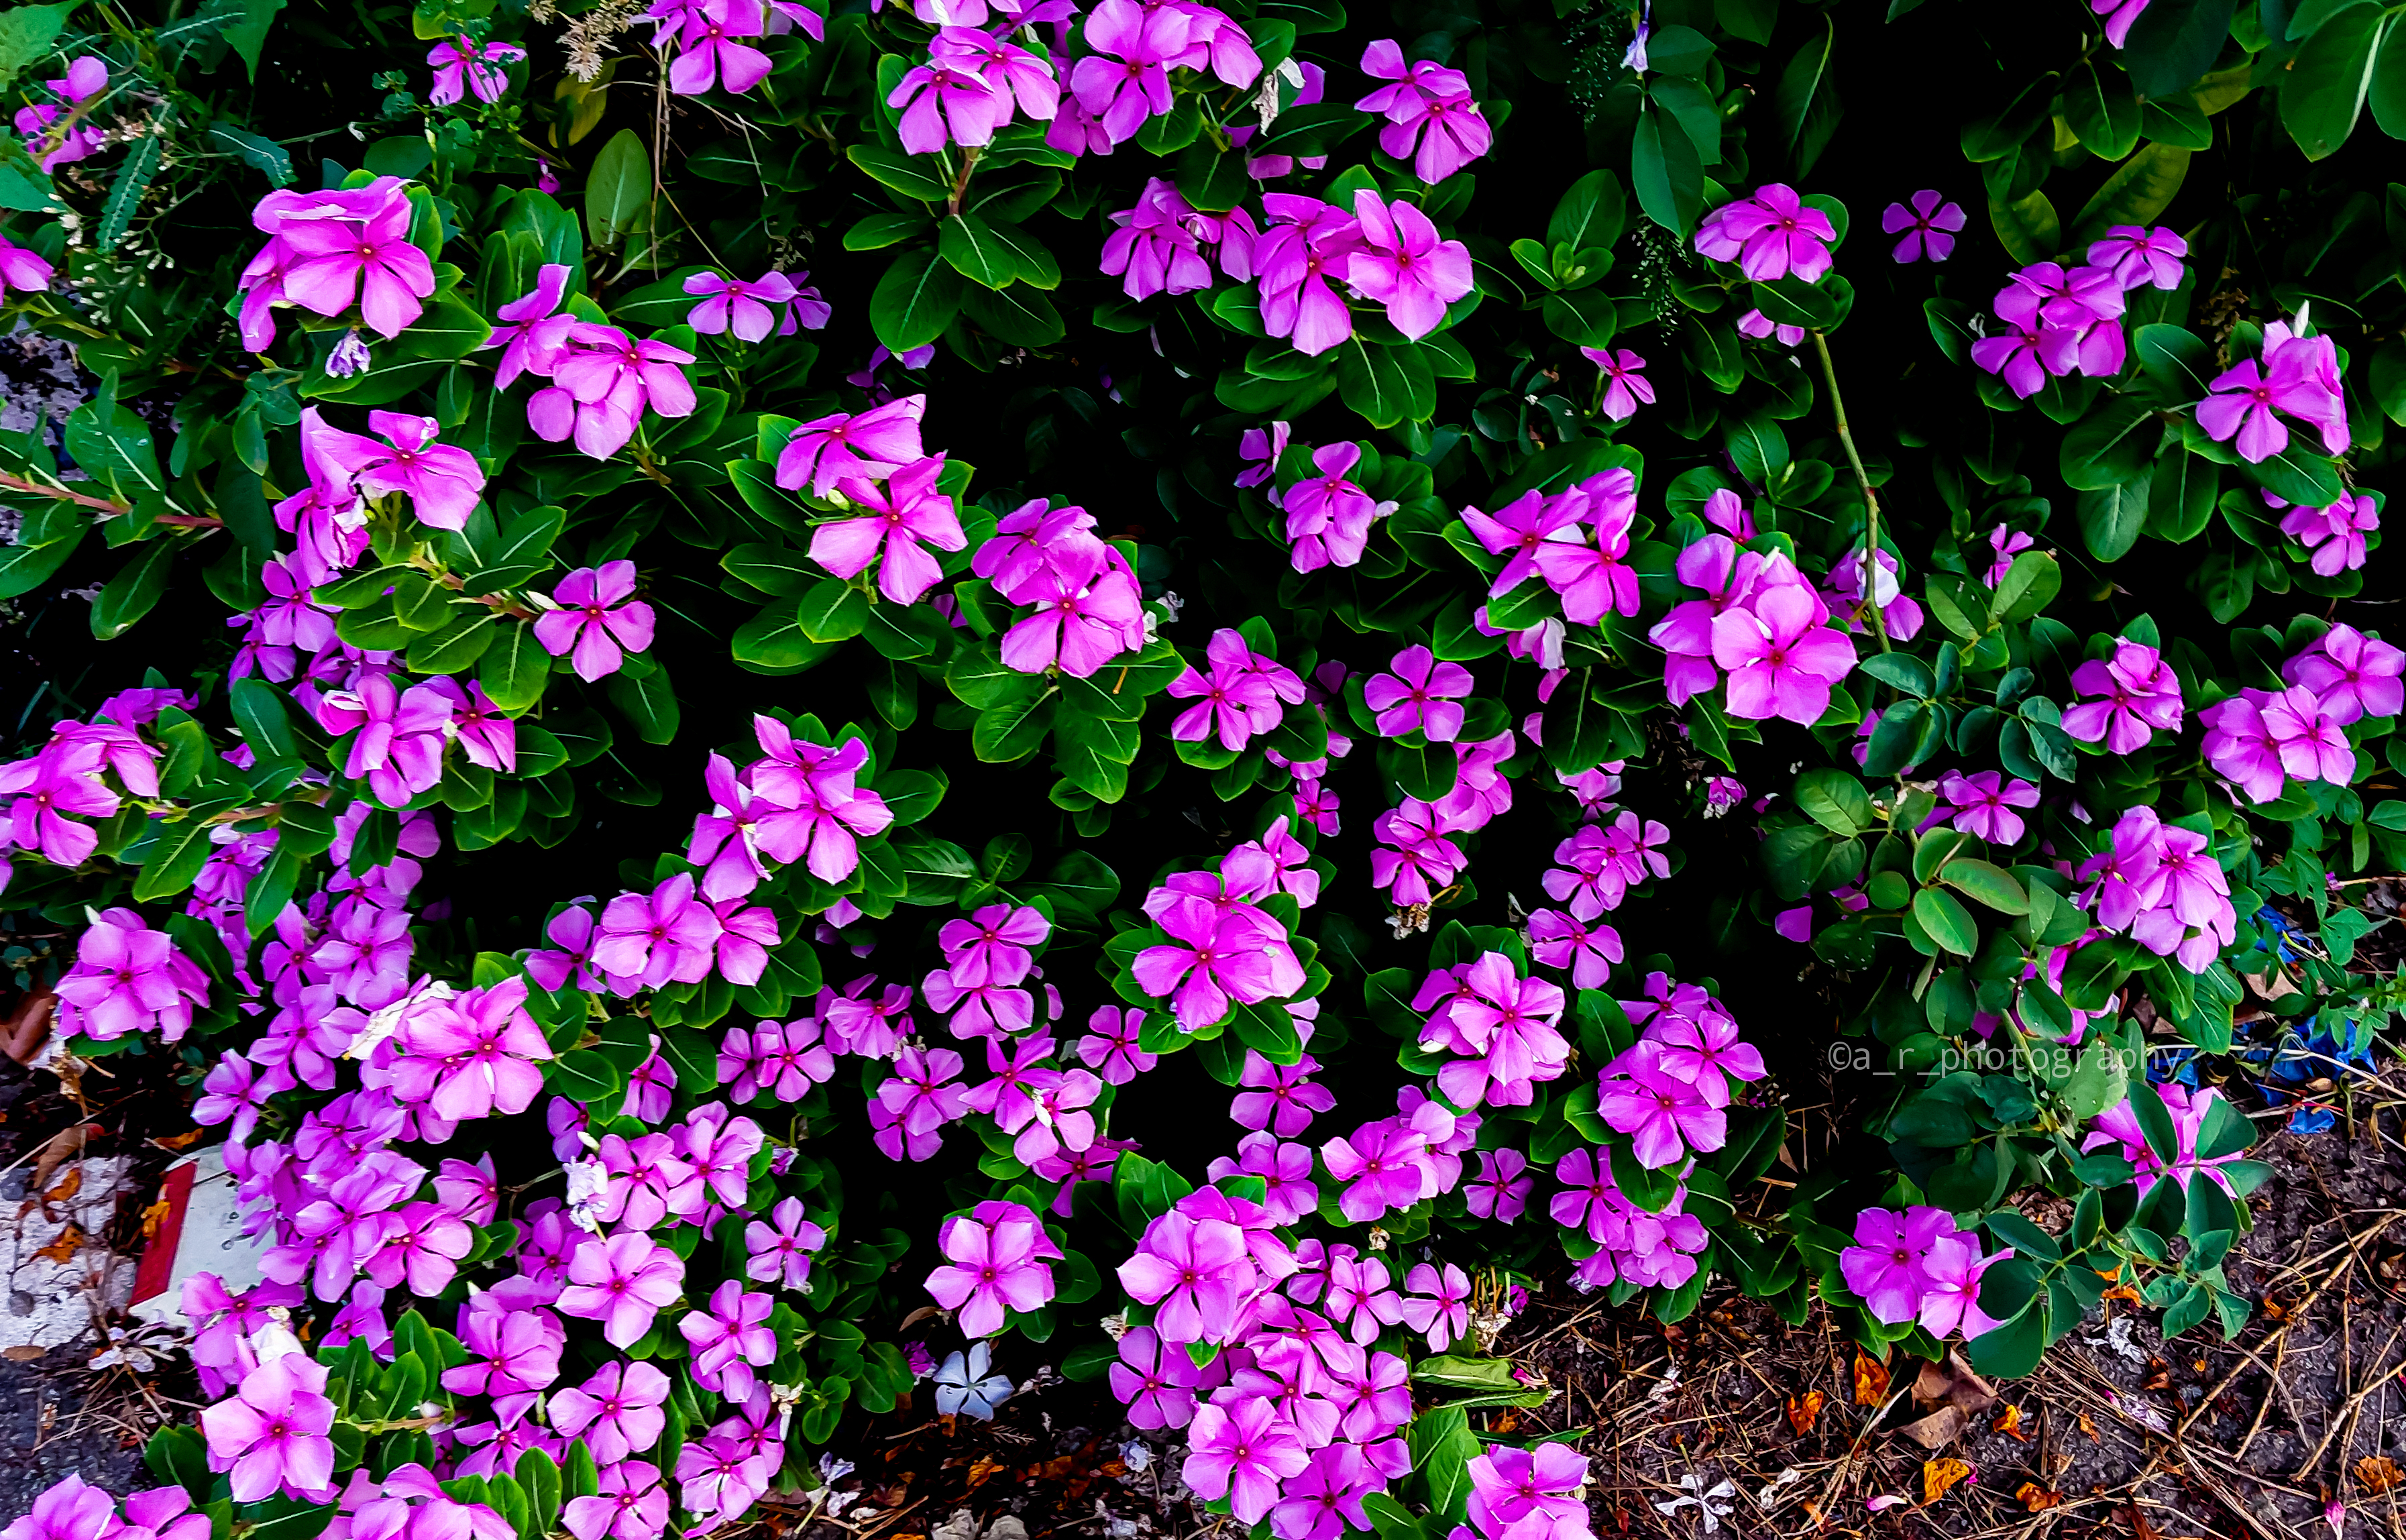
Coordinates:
(2296, 376)
(333, 252)
(1432, 121)
(1760, 628)
(1088, 608)
(2160, 883)
(2062, 321)
(1576, 542)
(1918, 1266)
(1670, 1090)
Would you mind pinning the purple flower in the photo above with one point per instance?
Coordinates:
(1328, 518)
(815, 812)
(1770, 235)
(604, 382)
(617, 1412)
(461, 64)
(1928, 226)
(780, 1251)
(622, 1282)
(1288, 1192)
(1281, 1098)
(1306, 248)
(1404, 265)
(1509, 1486)
(2335, 534)
(596, 614)
(996, 1262)
(665, 937)
(1109, 1048)
(129, 978)
(2139, 257)
(271, 1435)
(947, 101)
(1154, 1382)
(1125, 79)
(1984, 804)
(1432, 120)
(1588, 948)
(632, 1503)
(730, 1340)
(1192, 1270)
(1781, 661)
(2119, 15)
(1438, 1305)
(852, 447)
(1089, 610)
(2187, 1110)
(54, 143)
(1501, 1190)
(2298, 377)
(24, 270)
(1217, 956)
(346, 248)
(1155, 250)
(1421, 695)
(1241, 1451)
(2142, 697)
(1666, 1116)
(1887, 1264)
(472, 1056)
(1624, 389)
(1951, 1271)
(2005, 544)
(743, 306)
(2356, 675)
(1240, 695)
(441, 481)
(1755, 324)
(709, 38)
(907, 510)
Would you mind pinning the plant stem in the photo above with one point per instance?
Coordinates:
(1871, 499)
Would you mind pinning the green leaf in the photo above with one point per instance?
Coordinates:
(1669, 179)
(1948, 923)
(264, 156)
(1020, 315)
(2101, 110)
(2156, 1123)
(2387, 97)
(650, 703)
(1989, 885)
(2015, 1348)
(2143, 189)
(908, 175)
(1385, 385)
(26, 35)
(138, 586)
(2113, 444)
(1591, 214)
(968, 243)
(618, 188)
(1836, 801)
(915, 299)
(2181, 495)
(2029, 586)
(2028, 227)
(2325, 86)
(2111, 518)
(133, 179)
(2173, 42)
(885, 228)
(1442, 1447)
(514, 668)
(1805, 105)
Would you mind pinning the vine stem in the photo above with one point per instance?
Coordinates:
(1871, 499)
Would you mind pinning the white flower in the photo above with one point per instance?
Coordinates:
(1712, 1503)
(962, 1385)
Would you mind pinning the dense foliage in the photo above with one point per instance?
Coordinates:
(859, 611)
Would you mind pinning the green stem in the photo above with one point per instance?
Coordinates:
(1863, 480)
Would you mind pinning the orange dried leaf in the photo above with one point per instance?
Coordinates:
(2035, 1498)
(155, 1216)
(2125, 1292)
(1871, 1380)
(67, 1188)
(2089, 1428)
(184, 1141)
(2009, 1422)
(2378, 1474)
(982, 1470)
(1802, 1410)
(1941, 1476)
(62, 1249)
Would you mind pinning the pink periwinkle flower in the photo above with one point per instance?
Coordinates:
(597, 615)
(463, 65)
(623, 1282)
(1420, 694)
(1667, 1116)
(2336, 534)
(905, 512)
(2141, 697)
(129, 978)
(1771, 236)
(996, 1257)
(1624, 389)
(1239, 696)
(1984, 804)
(1432, 121)
(1405, 265)
(271, 1435)
(1928, 226)
(2296, 376)
(2355, 675)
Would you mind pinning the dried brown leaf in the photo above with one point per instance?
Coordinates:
(1936, 1431)
(2377, 1473)
(2009, 1422)
(62, 1249)
(1941, 1476)
(1871, 1380)
(2035, 1498)
(1805, 1410)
